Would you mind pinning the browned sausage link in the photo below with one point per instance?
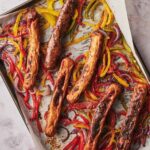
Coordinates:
(33, 55)
(58, 95)
(130, 121)
(99, 116)
(88, 69)
(54, 49)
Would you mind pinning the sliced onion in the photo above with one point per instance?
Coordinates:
(118, 33)
(103, 32)
(64, 135)
(47, 91)
(16, 82)
(128, 76)
(32, 92)
(74, 131)
(9, 48)
(7, 64)
(85, 134)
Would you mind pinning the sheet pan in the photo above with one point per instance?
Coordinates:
(119, 9)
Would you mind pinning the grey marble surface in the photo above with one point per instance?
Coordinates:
(139, 18)
(13, 133)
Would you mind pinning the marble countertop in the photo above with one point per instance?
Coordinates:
(139, 19)
(15, 135)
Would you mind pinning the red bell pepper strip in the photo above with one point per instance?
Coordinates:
(26, 100)
(118, 54)
(50, 77)
(72, 144)
(122, 112)
(110, 42)
(82, 141)
(112, 118)
(39, 125)
(109, 148)
(79, 58)
(19, 74)
(83, 118)
(12, 66)
(80, 9)
(36, 104)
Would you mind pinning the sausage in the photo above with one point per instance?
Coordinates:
(54, 49)
(88, 69)
(33, 55)
(100, 115)
(58, 95)
(128, 125)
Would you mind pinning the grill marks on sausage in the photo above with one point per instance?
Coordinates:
(59, 94)
(99, 116)
(54, 49)
(130, 121)
(88, 69)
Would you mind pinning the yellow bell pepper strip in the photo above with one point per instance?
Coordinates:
(93, 8)
(126, 46)
(104, 21)
(78, 40)
(89, 24)
(61, 2)
(73, 21)
(48, 16)
(138, 79)
(16, 25)
(20, 61)
(50, 5)
(112, 138)
(81, 125)
(110, 14)
(87, 10)
(11, 41)
(121, 81)
(104, 63)
(44, 10)
(90, 95)
(102, 74)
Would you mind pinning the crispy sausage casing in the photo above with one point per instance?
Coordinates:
(135, 106)
(54, 49)
(99, 116)
(58, 95)
(33, 55)
(88, 69)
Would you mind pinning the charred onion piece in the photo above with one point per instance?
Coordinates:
(58, 95)
(54, 49)
(33, 55)
(88, 69)
(99, 116)
(130, 121)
